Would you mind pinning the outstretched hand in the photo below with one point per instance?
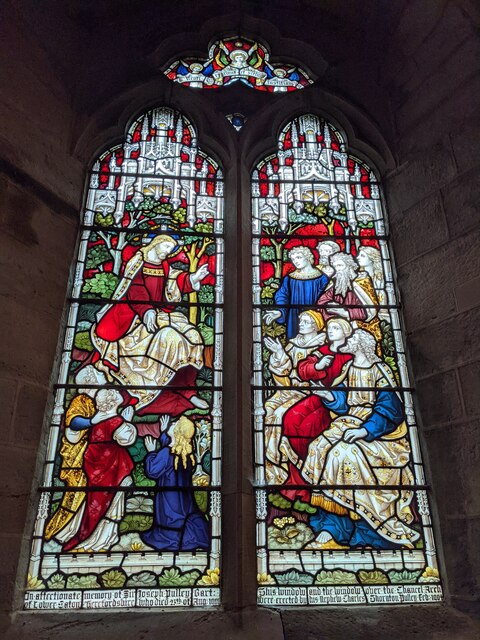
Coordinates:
(270, 316)
(200, 274)
(127, 413)
(164, 422)
(324, 362)
(274, 345)
(150, 320)
(150, 444)
(352, 435)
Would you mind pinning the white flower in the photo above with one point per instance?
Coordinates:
(140, 503)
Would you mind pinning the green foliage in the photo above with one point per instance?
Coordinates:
(55, 506)
(208, 333)
(207, 462)
(102, 284)
(113, 579)
(99, 254)
(305, 218)
(293, 577)
(291, 536)
(174, 578)
(138, 450)
(388, 344)
(140, 480)
(403, 577)
(57, 581)
(206, 295)
(279, 501)
(205, 377)
(201, 498)
(274, 330)
(179, 215)
(204, 227)
(104, 220)
(267, 293)
(135, 522)
(267, 253)
(82, 341)
(375, 576)
(211, 249)
(142, 579)
(391, 363)
(82, 581)
(87, 312)
(338, 576)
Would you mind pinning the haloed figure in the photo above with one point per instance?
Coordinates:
(178, 524)
(146, 342)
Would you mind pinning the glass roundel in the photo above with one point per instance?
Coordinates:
(342, 505)
(129, 509)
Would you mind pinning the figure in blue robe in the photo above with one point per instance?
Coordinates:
(368, 410)
(299, 292)
(178, 524)
(387, 414)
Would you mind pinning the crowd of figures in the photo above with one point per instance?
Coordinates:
(148, 353)
(336, 440)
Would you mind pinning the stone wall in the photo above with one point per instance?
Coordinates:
(36, 246)
(433, 200)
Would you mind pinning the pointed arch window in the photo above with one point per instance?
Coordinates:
(342, 507)
(130, 499)
(130, 493)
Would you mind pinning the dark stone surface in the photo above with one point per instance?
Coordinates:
(470, 387)
(440, 398)
(388, 623)
(420, 175)
(418, 230)
(467, 294)
(464, 142)
(461, 567)
(28, 425)
(460, 199)
(428, 283)
(455, 446)
(249, 624)
(8, 391)
(447, 79)
(445, 345)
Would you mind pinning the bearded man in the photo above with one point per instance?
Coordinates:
(326, 249)
(347, 296)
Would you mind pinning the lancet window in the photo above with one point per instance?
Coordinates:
(342, 503)
(129, 503)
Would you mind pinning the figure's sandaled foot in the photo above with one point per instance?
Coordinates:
(199, 402)
(324, 542)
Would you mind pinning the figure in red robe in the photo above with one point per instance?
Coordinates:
(142, 341)
(107, 464)
(309, 417)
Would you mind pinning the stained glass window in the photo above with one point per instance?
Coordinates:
(238, 59)
(342, 503)
(129, 509)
